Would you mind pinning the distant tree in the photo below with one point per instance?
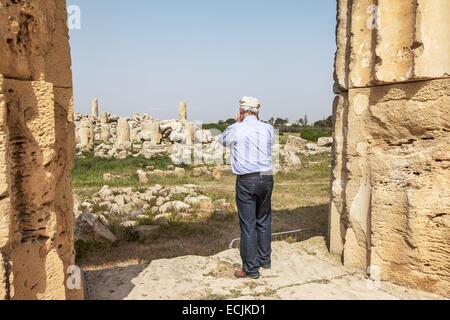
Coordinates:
(313, 134)
(221, 126)
(279, 122)
(326, 123)
(330, 121)
(301, 122)
(230, 121)
(305, 120)
(272, 121)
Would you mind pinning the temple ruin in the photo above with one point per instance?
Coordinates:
(113, 136)
(94, 108)
(390, 206)
(390, 212)
(183, 111)
(36, 152)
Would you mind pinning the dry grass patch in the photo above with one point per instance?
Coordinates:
(300, 201)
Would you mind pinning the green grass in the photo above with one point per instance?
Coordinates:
(89, 171)
(318, 172)
(211, 126)
(178, 197)
(300, 201)
(313, 134)
(147, 221)
(88, 174)
(121, 232)
(310, 134)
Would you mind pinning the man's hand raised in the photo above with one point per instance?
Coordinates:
(239, 117)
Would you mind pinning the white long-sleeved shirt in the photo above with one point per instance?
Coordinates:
(251, 144)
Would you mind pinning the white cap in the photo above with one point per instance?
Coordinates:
(250, 104)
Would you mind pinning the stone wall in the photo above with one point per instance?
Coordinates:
(36, 151)
(390, 209)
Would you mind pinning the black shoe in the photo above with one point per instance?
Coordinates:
(267, 267)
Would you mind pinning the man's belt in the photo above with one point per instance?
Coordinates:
(256, 174)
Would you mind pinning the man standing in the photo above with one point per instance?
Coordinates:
(250, 141)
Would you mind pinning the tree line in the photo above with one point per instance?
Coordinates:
(308, 131)
(281, 123)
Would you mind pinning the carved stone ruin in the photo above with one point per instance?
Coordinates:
(105, 127)
(36, 151)
(391, 171)
(86, 135)
(94, 112)
(183, 111)
(190, 134)
(123, 132)
(390, 212)
(105, 134)
(152, 129)
(104, 118)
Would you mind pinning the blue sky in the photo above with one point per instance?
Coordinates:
(147, 55)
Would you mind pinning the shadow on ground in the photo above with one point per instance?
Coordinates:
(201, 239)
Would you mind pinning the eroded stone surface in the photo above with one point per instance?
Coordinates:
(299, 271)
(390, 197)
(385, 42)
(37, 148)
(336, 232)
(34, 41)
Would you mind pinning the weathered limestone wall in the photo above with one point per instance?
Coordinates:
(391, 173)
(384, 42)
(36, 151)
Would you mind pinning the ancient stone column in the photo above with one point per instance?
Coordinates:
(151, 131)
(104, 118)
(156, 133)
(190, 133)
(94, 113)
(183, 111)
(146, 133)
(134, 130)
(37, 145)
(390, 191)
(105, 134)
(86, 135)
(123, 131)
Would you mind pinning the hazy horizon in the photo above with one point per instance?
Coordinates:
(147, 56)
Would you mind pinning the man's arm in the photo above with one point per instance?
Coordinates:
(228, 136)
(272, 136)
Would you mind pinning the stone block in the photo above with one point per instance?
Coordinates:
(36, 42)
(390, 182)
(387, 42)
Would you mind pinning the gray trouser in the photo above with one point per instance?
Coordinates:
(254, 203)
